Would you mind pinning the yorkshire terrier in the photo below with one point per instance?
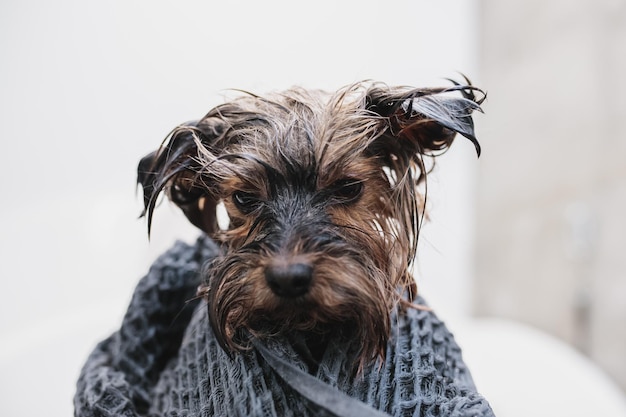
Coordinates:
(325, 200)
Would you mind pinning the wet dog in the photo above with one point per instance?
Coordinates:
(324, 195)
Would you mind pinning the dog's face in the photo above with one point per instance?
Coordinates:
(321, 193)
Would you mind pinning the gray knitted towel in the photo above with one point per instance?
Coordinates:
(165, 361)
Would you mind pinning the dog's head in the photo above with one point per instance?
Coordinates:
(322, 195)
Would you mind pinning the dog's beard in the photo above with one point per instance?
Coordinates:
(347, 291)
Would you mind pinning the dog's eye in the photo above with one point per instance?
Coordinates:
(245, 202)
(347, 190)
(183, 196)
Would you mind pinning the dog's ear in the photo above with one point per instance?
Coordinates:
(423, 121)
(414, 124)
(176, 169)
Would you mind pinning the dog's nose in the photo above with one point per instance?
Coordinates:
(289, 280)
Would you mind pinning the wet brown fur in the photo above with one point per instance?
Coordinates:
(329, 181)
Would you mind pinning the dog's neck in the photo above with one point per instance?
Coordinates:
(311, 348)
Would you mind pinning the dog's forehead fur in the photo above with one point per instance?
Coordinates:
(304, 136)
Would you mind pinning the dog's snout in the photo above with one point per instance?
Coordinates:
(290, 279)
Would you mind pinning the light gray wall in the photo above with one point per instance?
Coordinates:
(551, 217)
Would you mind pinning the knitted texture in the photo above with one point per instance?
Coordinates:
(165, 361)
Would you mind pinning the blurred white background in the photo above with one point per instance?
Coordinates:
(88, 88)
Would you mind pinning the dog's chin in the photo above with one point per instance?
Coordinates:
(367, 329)
(282, 318)
(301, 313)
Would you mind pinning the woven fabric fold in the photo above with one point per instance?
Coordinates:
(165, 361)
